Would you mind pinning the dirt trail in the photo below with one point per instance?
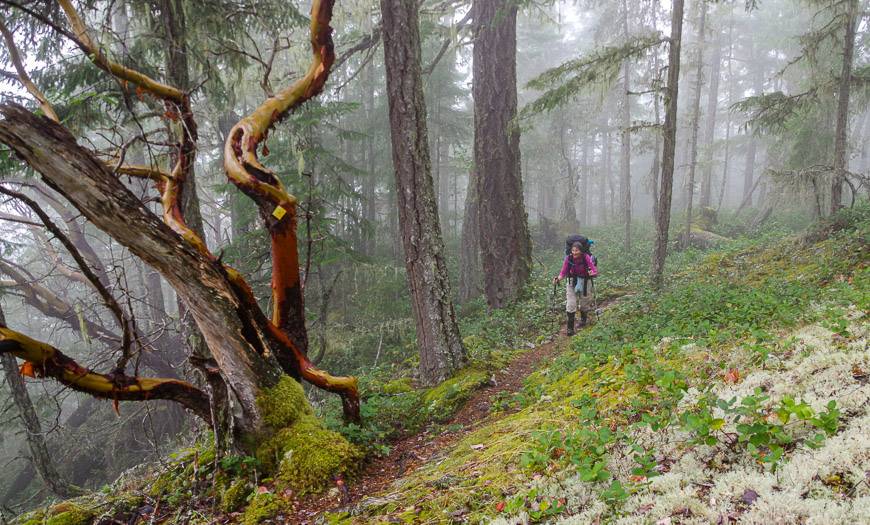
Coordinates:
(413, 451)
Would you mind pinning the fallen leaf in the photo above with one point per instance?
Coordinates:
(749, 496)
(732, 376)
(499, 506)
(262, 490)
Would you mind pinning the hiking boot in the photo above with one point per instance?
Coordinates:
(583, 318)
(570, 323)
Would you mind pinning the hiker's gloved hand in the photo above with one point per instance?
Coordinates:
(556, 280)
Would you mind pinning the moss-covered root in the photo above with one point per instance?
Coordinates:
(301, 453)
(263, 507)
(66, 513)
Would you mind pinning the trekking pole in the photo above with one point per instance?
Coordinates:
(595, 302)
(554, 296)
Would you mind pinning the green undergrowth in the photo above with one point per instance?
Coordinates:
(651, 366)
(394, 407)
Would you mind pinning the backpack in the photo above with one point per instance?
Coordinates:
(569, 242)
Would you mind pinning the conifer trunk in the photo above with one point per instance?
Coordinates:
(505, 245)
(843, 91)
(438, 341)
(663, 212)
(710, 129)
(625, 151)
(696, 122)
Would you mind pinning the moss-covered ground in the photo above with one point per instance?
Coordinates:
(750, 365)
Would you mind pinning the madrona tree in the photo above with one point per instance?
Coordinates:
(259, 358)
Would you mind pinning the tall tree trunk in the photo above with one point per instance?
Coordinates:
(841, 162)
(625, 153)
(569, 208)
(663, 213)
(710, 129)
(369, 202)
(696, 121)
(40, 457)
(751, 150)
(584, 185)
(505, 245)
(604, 176)
(470, 276)
(441, 350)
(727, 155)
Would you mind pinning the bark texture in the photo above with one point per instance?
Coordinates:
(505, 246)
(441, 350)
(663, 211)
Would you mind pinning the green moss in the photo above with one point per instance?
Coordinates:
(443, 400)
(235, 496)
(306, 455)
(74, 516)
(398, 386)
(284, 403)
(263, 507)
(36, 517)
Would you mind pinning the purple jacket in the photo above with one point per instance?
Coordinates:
(578, 269)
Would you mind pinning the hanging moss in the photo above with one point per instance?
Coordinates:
(283, 403)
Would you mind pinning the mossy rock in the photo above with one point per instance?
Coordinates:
(443, 400)
(398, 386)
(233, 497)
(284, 403)
(263, 507)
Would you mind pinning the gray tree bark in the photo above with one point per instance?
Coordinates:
(438, 340)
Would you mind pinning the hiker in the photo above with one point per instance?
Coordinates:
(579, 268)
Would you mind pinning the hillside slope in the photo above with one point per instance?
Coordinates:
(739, 394)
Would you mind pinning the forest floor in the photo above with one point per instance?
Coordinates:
(413, 451)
